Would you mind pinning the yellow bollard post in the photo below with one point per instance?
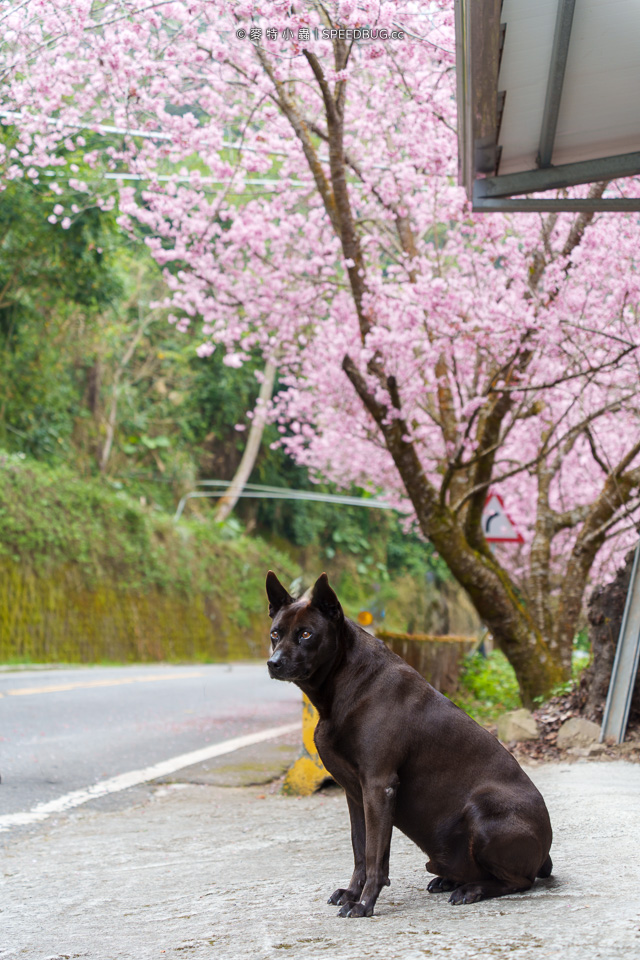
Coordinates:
(308, 772)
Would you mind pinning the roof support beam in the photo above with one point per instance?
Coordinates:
(555, 178)
(541, 205)
(478, 45)
(561, 38)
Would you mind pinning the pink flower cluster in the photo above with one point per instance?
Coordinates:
(229, 201)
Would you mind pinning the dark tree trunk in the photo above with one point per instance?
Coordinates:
(605, 610)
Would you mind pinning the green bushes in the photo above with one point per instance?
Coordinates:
(88, 574)
(487, 687)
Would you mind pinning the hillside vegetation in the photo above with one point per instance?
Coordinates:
(88, 574)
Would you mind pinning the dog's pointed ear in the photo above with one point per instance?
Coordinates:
(278, 596)
(324, 599)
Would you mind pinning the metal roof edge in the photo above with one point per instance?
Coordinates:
(564, 175)
(555, 205)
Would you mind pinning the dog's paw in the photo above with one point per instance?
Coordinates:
(441, 885)
(341, 896)
(467, 893)
(358, 909)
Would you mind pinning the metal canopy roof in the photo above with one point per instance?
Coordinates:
(548, 97)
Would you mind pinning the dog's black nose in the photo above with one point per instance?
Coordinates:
(276, 663)
(274, 667)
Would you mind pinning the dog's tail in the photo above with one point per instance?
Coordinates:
(545, 869)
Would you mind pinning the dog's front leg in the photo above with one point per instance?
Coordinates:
(379, 805)
(358, 833)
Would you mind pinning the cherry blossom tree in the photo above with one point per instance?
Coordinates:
(297, 181)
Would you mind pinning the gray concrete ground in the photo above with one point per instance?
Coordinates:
(199, 870)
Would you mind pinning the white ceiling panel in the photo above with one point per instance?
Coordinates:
(523, 76)
(600, 105)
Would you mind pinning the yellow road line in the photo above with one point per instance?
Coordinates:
(58, 688)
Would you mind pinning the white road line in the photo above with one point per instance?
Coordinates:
(125, 780)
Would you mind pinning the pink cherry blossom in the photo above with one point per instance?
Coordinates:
(504, 347)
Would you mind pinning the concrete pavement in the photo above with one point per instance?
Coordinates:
(192, 869)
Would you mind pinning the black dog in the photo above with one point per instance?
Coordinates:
(407, 757)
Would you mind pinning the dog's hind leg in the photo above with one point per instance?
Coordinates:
(509, 858)
(485, 890)
(545, 869)
(351, 894)
(442, 882)
(441, 885)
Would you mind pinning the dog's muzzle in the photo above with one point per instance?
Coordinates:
(276, 665)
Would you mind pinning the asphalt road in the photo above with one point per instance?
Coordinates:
(63, 730)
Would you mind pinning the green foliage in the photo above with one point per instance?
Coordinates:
(488, 687)
(409, 553)
(581, 655)
(50, 519)
(581, 642)
(51, 283)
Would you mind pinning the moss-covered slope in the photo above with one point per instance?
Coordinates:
(88, 574)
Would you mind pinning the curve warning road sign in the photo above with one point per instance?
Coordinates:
(497, 525)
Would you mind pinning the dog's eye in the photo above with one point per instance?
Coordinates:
(275, 636)
(305, 635)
